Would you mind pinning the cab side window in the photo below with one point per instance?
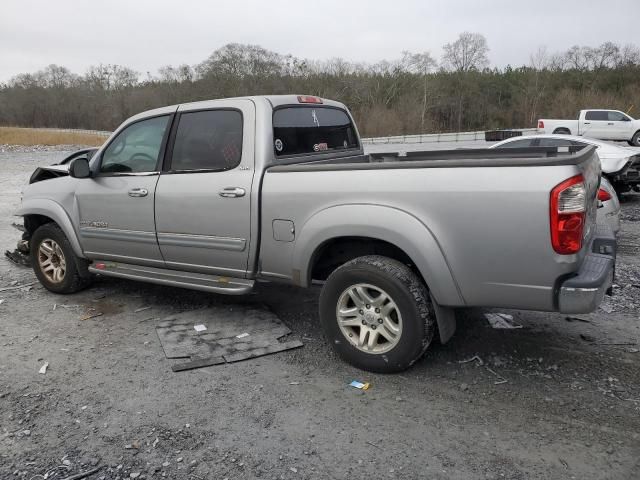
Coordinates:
(598, 115)
(136, 148)
(208, 140)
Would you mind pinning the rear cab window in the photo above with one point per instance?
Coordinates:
(306, 130)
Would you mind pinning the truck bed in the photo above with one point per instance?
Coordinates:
(480, 210)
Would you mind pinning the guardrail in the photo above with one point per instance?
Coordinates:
(438, 137)
(103, 133)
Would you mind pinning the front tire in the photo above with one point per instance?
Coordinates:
(635, 140)
(377, 315)
(58, 269)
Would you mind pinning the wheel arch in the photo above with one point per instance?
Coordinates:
(562, 131)
(386, 230)
(37, 212)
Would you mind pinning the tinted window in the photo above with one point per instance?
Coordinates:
(596, 115)
(136, 148)
(517, 144)
(555, 142)
(304, 130)
(208, 140)
(616, 116)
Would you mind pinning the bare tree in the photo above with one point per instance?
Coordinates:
(468, 52)
(421, 64)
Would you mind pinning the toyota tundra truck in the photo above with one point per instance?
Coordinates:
(219, 194)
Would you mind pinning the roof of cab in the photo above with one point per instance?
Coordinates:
(274, 100)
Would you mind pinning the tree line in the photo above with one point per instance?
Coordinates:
(415, 93)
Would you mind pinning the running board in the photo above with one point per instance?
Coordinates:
(173, 278)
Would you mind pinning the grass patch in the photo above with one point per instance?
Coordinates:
(35, 136)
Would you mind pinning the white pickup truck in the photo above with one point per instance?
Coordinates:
(602, 124)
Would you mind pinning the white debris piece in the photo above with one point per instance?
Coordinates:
(199, 328)
(43, 368)
(501, 321)
(242, 335)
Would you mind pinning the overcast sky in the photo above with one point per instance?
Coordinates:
(147, 34)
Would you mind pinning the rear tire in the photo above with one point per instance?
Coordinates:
(55, 264)
(377, 315)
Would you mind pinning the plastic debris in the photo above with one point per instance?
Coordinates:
(90, 315)
(141, 309)
(501, 321)
(199, 328)
(43, 368)
(359, 385)
(242, 335)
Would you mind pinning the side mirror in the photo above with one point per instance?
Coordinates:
(79, 168)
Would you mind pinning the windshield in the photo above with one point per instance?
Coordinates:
(303, 130)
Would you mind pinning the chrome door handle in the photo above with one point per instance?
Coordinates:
(138, 192)
(609, 123)
(232, 192)
(587, 123)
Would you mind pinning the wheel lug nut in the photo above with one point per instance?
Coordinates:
(379, 320)
(368, 306)
(361, 312)
(377, 310)
(364, 322)
(373, 327)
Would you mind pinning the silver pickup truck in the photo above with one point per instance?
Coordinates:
(215, 195)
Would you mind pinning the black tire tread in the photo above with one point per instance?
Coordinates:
(412, 283)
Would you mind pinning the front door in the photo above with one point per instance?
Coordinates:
(116, 205)
(203, 199)
(618, 126)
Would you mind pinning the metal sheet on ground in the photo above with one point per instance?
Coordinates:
(231, 334)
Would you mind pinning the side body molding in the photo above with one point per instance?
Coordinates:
(389, 224)
(53, 210)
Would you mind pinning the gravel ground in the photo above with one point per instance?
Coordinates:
(570, 406)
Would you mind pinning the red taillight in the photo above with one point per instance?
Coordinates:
(540, 124)
(100, 266)
(603, 195)
(567, 215)
(309, 99)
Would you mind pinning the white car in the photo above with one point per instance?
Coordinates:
(608, 206)
(621, 165)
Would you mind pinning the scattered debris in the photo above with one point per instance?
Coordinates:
(633, 350)
(242, 335)
(199, 328)
(18, 258)
(464, 387)
(43, 368)
(577, 319)
(606, 308)
(501, 321)
(294, 383)
(359, 385)
(587, 338)
(90, 315)
(78, 476)
(142, 309)
(474, 358)
(15, 286)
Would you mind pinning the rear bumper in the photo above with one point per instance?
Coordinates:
(583, 292)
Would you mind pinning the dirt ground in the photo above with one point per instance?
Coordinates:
(557, 399)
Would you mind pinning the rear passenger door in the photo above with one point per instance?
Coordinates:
(203, 198)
